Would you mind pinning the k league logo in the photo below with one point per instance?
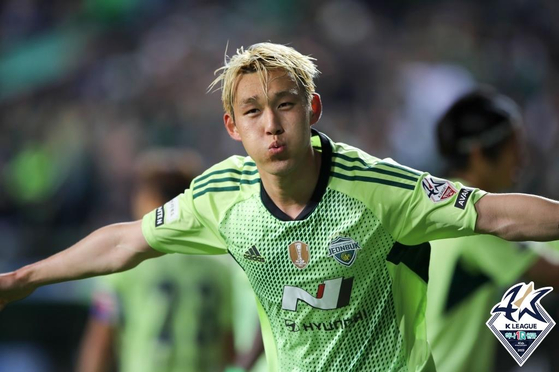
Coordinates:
(438, 189)
(520, 322)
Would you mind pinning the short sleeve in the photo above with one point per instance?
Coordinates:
(177, 227)
(437, 209)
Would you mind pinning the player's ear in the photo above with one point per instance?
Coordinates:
(316, 108)
(231, 127)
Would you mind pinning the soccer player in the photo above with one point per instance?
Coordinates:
(480, 138)
(154, 317)
(331, 238)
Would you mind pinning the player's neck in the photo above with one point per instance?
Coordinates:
(292, 192)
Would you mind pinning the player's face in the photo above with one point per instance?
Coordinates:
(273, 127)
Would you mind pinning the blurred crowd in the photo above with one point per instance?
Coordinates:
(85, 86)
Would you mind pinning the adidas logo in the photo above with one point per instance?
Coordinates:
(253, 255)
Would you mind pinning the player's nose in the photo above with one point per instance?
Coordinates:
(272, 123)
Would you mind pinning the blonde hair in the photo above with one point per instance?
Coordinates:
(261, 58)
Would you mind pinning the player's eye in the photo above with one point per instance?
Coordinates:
(251, 111)
(286, 105)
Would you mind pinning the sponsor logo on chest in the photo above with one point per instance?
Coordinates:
(331, 294)
(328, 326)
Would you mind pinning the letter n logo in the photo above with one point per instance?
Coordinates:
(332, 294)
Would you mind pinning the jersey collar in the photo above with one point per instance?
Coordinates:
(319, 190)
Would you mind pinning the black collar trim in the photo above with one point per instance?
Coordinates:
(319, 190)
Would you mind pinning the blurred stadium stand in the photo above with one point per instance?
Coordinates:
(86, 85)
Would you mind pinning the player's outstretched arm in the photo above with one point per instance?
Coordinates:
(518, 217)
(108, 250)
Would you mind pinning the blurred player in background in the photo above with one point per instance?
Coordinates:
(480, 138)
(168, 315)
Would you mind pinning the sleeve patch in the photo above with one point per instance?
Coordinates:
(159, 216)
(463, 197)
(172, 210)
(438, 189)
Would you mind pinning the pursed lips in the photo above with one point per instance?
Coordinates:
(276, 147)
(276, 144)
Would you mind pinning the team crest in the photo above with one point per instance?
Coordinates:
(520, 322)
(344, 250)
(438, 189)
(299, 254)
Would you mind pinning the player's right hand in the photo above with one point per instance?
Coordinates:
(11, 289)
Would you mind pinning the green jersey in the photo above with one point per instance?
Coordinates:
(468, 276)
(172, 314)
(343, 286)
